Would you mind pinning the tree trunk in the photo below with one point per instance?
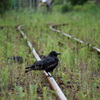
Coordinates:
(35, 3)
(30, 3)
(19, 4)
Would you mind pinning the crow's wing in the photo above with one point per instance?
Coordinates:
(45, 61)
(51, 67)
(41, 64)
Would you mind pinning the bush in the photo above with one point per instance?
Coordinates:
(78, 2)
(78, 8)
(4, 5)
(65, 8)
(89, 6)
(58, 2)
(84, 7)
(1, 8)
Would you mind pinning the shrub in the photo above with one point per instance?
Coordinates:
(78, 7)
(1, 8)
(4, 5)
(65, 8)
(89, 6)
(84, 7)
(58, 1)
(78, 2)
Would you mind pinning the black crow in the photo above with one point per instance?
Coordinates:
(47, 63)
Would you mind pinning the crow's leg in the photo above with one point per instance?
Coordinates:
(49, 75)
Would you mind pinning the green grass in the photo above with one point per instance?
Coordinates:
(78, 71)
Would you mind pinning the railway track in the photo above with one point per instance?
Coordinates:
(53, 28)
(51, 80)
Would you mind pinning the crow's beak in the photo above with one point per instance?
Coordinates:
(58, 53)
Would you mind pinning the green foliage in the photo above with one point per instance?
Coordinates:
(19, 90)
(4, 79)
(33, 92)
(85, 7)
(12, 3)
(78, 8)
(66, 8)
(77, 71)
(90, 6)
(44, 93)
(4, 5)
(58, 1)
(78, 2)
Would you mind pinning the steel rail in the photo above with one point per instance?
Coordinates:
(50, 79)
(52, 27)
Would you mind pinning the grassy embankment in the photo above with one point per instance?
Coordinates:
(78, 72)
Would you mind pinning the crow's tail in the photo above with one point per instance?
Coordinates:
(29, 66)
(32, 67)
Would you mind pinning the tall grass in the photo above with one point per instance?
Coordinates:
(33, 92)
(4, 79)
(78, 70)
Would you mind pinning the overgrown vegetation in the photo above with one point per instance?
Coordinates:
(4, 5)
(78, 73)
(78, 2)
(66, 7)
